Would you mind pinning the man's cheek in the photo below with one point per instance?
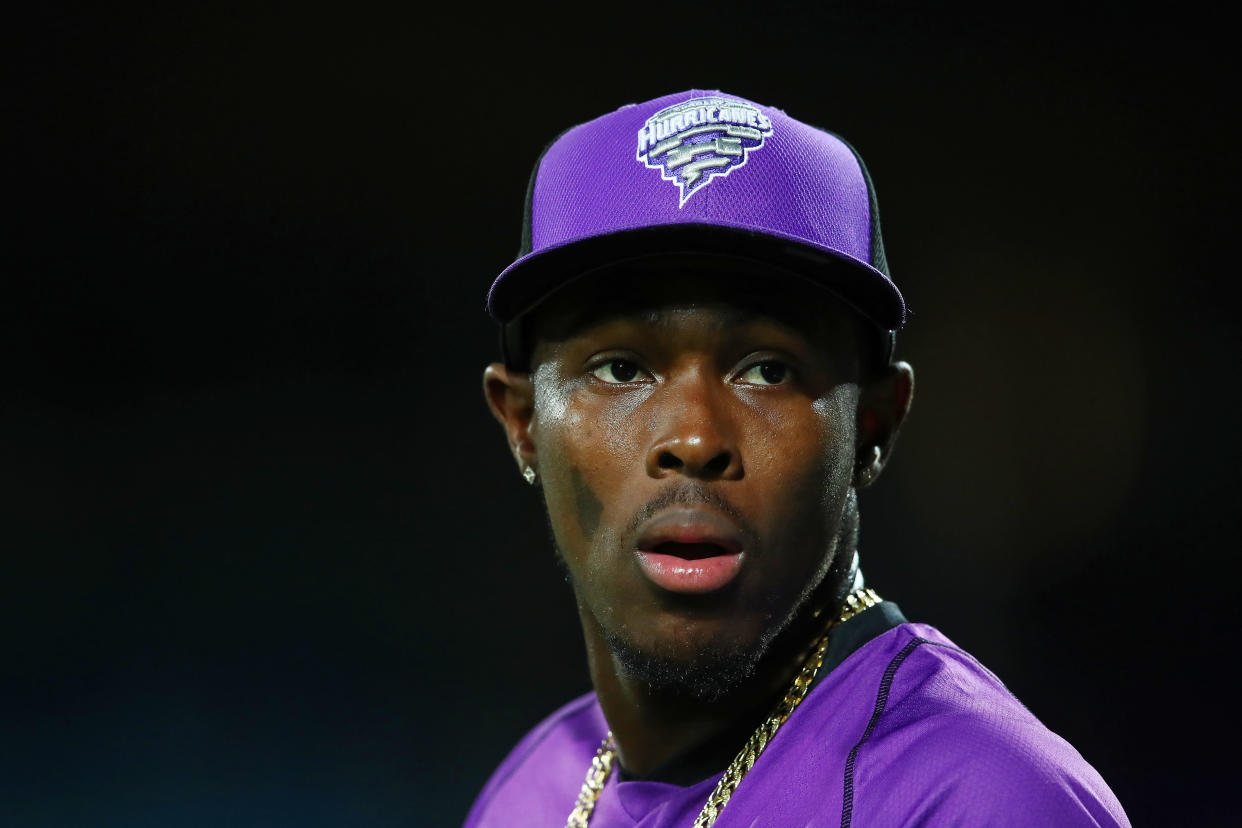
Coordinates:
(587, 505)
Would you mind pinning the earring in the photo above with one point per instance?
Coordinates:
(867, 473)
(530, 474)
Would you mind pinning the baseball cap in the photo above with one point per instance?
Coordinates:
(699, 171)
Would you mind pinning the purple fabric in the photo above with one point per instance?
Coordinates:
(778, 176)
(947, 744)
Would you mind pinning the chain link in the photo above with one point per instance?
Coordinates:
(593, 786)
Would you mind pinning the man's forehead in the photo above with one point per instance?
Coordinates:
(712, 314)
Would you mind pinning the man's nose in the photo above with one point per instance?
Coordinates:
(696, 436)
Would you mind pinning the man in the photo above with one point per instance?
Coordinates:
(698, 374)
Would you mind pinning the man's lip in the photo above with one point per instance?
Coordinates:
(697, 571)
(689, 525)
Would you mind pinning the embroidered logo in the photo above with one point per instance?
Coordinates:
(692, 142)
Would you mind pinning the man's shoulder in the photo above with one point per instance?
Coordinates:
(943, 724)
(545, 768)
(575, 725)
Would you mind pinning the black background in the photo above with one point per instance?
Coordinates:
(265, 558)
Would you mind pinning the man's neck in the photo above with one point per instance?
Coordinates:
(671, 736)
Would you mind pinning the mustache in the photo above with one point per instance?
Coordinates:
(690, 494)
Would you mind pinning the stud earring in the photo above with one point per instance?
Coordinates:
(867, 473)
(530, 474)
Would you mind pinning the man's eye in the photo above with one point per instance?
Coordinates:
(765, 373)
(619, 370)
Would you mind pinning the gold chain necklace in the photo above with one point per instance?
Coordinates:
(601, 764)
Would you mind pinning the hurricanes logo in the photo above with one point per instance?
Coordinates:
(692, 142)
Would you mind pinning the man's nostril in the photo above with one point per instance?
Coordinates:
(717, 465)
(668, 460)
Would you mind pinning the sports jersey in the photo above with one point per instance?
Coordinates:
(901, 727)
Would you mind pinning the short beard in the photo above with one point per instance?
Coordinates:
(710, 675)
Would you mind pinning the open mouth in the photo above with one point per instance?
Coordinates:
(690, 551)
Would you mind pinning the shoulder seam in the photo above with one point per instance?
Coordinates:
(881, 702)
(970, 658)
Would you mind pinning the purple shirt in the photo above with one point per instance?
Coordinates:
(906, 729)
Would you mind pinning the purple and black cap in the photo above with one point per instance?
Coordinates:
(699, 172)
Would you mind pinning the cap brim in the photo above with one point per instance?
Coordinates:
(535, 275)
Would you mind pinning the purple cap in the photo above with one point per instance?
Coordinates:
(701, 171)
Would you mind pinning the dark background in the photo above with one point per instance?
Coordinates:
(265, 560)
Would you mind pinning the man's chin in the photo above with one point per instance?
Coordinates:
(707, 674)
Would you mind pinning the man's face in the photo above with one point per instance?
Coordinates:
(694, 433)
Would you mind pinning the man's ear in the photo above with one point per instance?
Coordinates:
(883, 404)
(511, 397)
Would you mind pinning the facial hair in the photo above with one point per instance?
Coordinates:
(713, 672)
